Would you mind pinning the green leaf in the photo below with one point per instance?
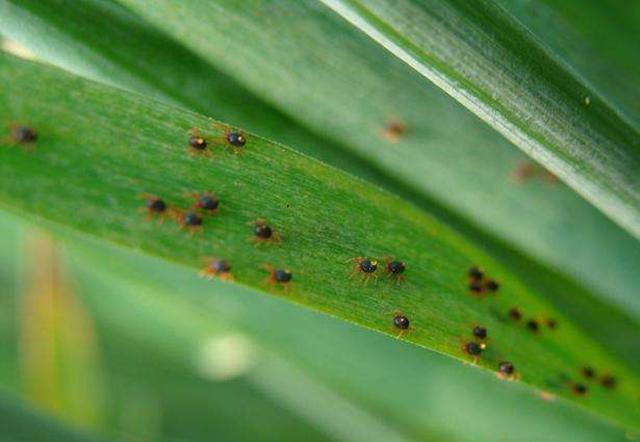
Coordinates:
(596, 38)
(344, 87)
(486, 60)
(99, 148)
(131, 299)
(363, 390)
(20, 424)
(101, 40)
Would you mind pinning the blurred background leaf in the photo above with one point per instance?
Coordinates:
(515, 209)
(484, 58)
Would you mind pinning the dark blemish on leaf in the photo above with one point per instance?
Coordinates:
(552, 324)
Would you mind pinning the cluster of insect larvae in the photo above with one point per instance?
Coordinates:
(368, 267)
(192, 218)
(532, 324)
(606, 380)
(479, 283)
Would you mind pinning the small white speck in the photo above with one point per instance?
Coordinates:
(225, 357)
(16, 49)
(587, 100)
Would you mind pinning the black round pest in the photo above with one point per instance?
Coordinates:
(552, 324)
(579, 389)
(396, 267)
(473, 348)
(608, 381)
(588, 372)
(155, 204)
(263, 231)
(23, 134)
(515, 314)
(492, 285)
(506, 367)
(475, 287)
(479, 332)
(220, 266)
(197, 142)
(533, 325)
(367, 265)
(192, 219)
(283, 275)
(401, 322)
(475, 273)
(278, 276)
(155, 207)
(208, 202)
(394, 130)
(236, 139)
(367, 268)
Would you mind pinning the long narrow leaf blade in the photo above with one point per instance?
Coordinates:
(483, 58)
(343, 86)
(99, 148)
